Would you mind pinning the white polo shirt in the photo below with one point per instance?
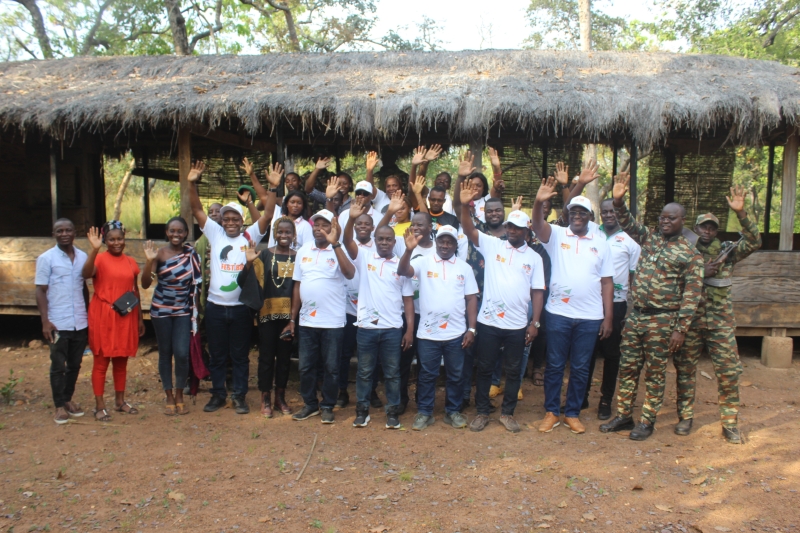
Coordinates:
(443, 284)
(322, 287)
(509, 275)
(303, 231)
(625, 255)
(380, 291)
(413, 287)
(352, 284)
(228, 257)
(374, 213)
(576, 266)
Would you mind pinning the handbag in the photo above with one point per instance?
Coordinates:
(128, 301)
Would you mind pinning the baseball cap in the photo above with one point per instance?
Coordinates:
(364, 186)
(250, 189)
(327, 215)
(447, 230)
(580, 201)
(232, 206)
(518, 218)
(708, 217)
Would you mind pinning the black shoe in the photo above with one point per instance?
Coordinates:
(604, 410)
(327, 415)
(306, 412)
(732, 435)
(642, 431)
(401, 409)
(215, 403)
(240, 405)
(683, 427)
(392, 419)
(343, 398)
(362, 418)
(617, 424)
(375, 401)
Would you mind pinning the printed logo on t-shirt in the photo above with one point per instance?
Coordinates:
(437, 321)
(562, 294)
(433, 274)
(494, 311)
(460, 279)
(527, 268)
(371, 316)
(565, 246)
(309, 310)
(372, 268)
(308, 260)
(619, 238)
(500, 258)
(594, 251)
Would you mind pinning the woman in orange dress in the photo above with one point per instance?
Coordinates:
(113, 338)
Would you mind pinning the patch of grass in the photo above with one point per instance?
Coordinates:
(281, 506)
(7, 390)
(116, 492)
(406, 476)
(316, 524)
(254, 434)
(283, 465)
(216, 437)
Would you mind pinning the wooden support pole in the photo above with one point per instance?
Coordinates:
(788, 192)
(476, 147)
(614, 159)
(770, 181)
(145, 195)
(184, 165)
(544, 165)
(55, 208)
(634, 166)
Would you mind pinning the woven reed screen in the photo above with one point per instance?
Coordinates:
(701, 183)
(522, 170)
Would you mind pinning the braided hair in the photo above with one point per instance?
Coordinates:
(109, 226)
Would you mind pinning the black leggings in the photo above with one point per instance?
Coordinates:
(273, 355)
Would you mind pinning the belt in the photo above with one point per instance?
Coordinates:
(718, 282)
(655, 310)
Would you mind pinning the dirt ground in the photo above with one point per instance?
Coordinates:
(224, 472)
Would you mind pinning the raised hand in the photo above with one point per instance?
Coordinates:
(333, 235)
(412, 240)
(494, 158)
(546, 190)
(247, 167)
(500, 185)
(465, 166)
(244, 197)
(736, 199)
(562, 173)
(433, 152)
(274, 175)
(94, 238)
(397, 202)
(419, 156)
(467, 193)
(196, 172)
(322, 163)
(589, 172)
(251, 253)
(517, 205)
(621, 182)
(372, 160)
(332, 188)
(150, 251)
(358, 206)
(418, 184)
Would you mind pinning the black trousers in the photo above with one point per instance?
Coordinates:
(65, 364)
(274, 355)
(609, 349)
(406, 358)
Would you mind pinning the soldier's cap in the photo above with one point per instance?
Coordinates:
(708, 217)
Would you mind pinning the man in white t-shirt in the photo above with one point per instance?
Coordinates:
(228, 322)
(580, 304)
(320, 274)
(625, 255)
(366, 192)
(513, 277)
(448, 304)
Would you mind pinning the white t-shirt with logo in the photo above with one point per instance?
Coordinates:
(509, 275)
(413, 286)
(577, 264)
(443, 284)
(322, 287)
(228, 257)
(352, 284)
(625, 255)
(480, 207)
(380, 291)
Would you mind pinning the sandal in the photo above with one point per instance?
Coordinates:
(181, 409)
(169, 409)
(538, 377)
(105, 416)
(131, 410)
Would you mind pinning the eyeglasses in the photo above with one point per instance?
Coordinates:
(578, 214)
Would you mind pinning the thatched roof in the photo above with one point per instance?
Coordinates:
(380, 96)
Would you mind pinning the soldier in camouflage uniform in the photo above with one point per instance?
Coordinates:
(666, 291)
(714, 325)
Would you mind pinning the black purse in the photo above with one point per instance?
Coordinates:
(128, 301)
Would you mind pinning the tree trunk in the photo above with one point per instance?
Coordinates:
(585, 17)
(37, 21)
(177, 25)
(122, 187)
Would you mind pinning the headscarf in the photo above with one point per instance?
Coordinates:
(111, 225)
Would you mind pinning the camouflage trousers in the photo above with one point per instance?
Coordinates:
(721, 346)
(645, 341)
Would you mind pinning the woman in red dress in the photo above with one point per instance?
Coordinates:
(113, 338)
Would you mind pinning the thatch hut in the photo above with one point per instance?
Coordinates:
(58, 117)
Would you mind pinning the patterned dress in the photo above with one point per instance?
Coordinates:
(179, 280)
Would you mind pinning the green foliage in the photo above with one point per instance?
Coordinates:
(555, 25)
(7, 390)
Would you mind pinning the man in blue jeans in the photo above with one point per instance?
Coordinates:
(448, 302)
(380, 316)
(318, 298)
(580, 305)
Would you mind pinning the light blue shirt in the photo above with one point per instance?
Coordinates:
(66, 308)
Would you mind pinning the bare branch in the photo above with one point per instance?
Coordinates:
(37, 20)
(22, 45)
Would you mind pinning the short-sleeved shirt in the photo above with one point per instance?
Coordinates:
(374, 213)
(322, 287)
(228, 257)
(625, 255)
(380, 291)
(66, 306)
(448, 203)
(303, 231)
(509, 275)
(577, 264)
(351, 287)
(480, 207)
(443, 285)
(413, 287)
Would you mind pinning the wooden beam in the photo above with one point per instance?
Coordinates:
(145, 195)
(634, 167)
(54, 204)
(476, 147)
(240, 141)
(184, 165)
(788, 192)
(770, 182)
(157, 174)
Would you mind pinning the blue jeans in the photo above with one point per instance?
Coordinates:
(489, 340)
(348, 347)
(466, 371)
(378, 345)
(430, 353)
(570, 339)
(319, 345)
(228, 328)
(173, 334)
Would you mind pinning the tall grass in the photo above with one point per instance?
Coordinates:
(161, 209)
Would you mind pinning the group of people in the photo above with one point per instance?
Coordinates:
(394, 275)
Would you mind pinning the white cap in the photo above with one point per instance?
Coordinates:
(447, 230)
(580, 201)
(327, 215)
(518, 218)
(232, 206)
(364, 186)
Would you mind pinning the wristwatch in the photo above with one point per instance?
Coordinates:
(273, 189)
(537, 325)
(473, 331)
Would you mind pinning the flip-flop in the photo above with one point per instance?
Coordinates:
(538, 377)
(105, 418)
(169, 409)
(181, 409)
(131, 409)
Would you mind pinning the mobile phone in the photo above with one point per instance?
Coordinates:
(55, 336)
(285, 335)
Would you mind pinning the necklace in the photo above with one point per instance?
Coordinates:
(282, 275)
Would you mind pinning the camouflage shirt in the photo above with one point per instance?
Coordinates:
(715, 309)
(669, 274)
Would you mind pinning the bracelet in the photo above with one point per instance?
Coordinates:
(291, 320)
(337, 245)
(274, 189)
